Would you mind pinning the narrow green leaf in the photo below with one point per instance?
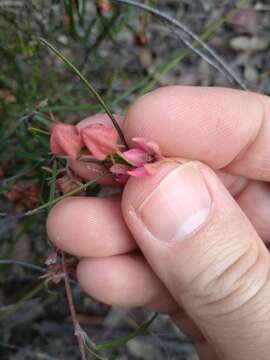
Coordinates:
(39, 131)
(88, 85)
(73, 192)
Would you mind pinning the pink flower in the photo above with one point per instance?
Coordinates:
(65, 140)
(138, 172)
(146, 158)
(150, 147)
(136, 157)
(141, 161)
(100, 140)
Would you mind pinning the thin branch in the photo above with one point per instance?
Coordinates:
(210, 61)
(184, 32)
(72, 310)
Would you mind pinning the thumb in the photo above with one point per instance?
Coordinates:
(204, 249)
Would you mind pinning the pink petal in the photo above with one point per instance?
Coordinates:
(138, 172)
(136, 157)
(151, 147)
(65, 140)
(100, 140)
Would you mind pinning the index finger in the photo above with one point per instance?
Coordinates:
(221, 127)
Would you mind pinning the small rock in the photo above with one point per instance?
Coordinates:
(143, 350)
(251, 74)
(63, 39)
(246, 43)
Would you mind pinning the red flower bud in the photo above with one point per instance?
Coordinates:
(15, 193)
(100, 140)
(65, 140)
(30, 199)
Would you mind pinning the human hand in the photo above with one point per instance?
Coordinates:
(188, 241)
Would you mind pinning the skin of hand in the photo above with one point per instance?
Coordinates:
(191, 240)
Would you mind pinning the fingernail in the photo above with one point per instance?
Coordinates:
(178, 206)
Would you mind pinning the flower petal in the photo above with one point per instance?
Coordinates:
(100, 140)
(151, 147)
(65, 140)
(136, 157)
(138, 172)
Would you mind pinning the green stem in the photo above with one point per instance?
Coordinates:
(89, 87)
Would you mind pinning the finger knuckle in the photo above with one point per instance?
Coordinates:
(236, 285)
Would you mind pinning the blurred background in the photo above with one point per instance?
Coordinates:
(124, 52)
